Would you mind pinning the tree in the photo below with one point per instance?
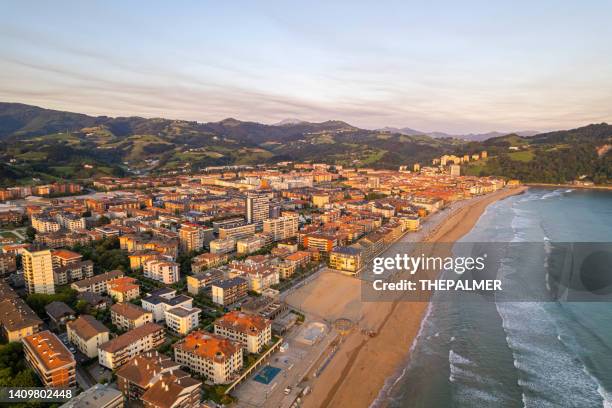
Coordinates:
(103, 220)
(30, 234)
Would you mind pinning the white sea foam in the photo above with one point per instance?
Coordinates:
(605, 396)
(392, 381)
(544, 367)
(553, 194)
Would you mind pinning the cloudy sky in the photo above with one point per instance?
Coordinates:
(469, 66)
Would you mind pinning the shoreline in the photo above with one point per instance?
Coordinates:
(578, 187)
(363, 366)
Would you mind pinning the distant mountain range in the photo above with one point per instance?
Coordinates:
(49, 144)
(476, 137)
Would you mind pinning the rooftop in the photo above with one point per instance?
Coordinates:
(209, 346)
(128, 310)
(143, 368)
(121, 342)
(84, 283)
(229, 283)
(243, 322)
(87, 326)
(49, 350)
(97, 396)
(166, 392)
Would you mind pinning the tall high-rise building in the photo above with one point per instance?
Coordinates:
(38, 271)
(257, 208)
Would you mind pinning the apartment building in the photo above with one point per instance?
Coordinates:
(222, 246)
(249, 245)
(17, 319)
(320, 242)
(257, 208)
(194, 237)
(8, 264)
(251, 330)
(139, 374)
(260, 279)
(118, 351)
(96, 284)
(346, 259)
(128, 316)
(98, 396)
(71, 222)
(281, 228)
(197, 282)
(87, 334)
(299, 258)
(158, 382)
(38, 271)
(158, 303)
(227, 223)
(216, 358)
(44, 223)
(64, 275)
(207, 260)
(176, 389)
(50, 359)
(181, 320)
(228, 291)
(69, 267)
(123, 289)
(161, 270)
(320, 200)
(411, 223)
(237, 232)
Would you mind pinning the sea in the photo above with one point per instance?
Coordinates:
(517, 354)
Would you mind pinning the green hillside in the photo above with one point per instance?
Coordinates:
(49, 145)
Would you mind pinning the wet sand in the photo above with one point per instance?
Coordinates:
(358, 372)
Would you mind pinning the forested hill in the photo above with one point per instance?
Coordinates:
(554, 157)
(50, 144)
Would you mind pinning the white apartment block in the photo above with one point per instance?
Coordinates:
(120, 350)
(87, 334)
(216, 358)
(43, 223)
(71, 222)
(161, 270)
(252, 331)
(158, 305)
(182, 320)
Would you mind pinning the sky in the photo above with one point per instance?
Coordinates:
(456, 67)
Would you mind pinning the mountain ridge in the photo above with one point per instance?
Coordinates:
(39, 142)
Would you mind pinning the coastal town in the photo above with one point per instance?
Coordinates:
(203, 290)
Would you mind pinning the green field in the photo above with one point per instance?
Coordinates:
(524, 156)
(9, 235)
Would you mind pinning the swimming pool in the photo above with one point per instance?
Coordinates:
(267, 374)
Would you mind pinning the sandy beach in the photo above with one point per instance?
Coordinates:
(358, 371)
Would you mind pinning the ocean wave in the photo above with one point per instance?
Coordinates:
(553, 194)
(393, 380)
(548, 372)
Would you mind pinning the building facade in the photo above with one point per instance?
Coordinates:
(216, 358)
(50, 359)
(38, 271)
